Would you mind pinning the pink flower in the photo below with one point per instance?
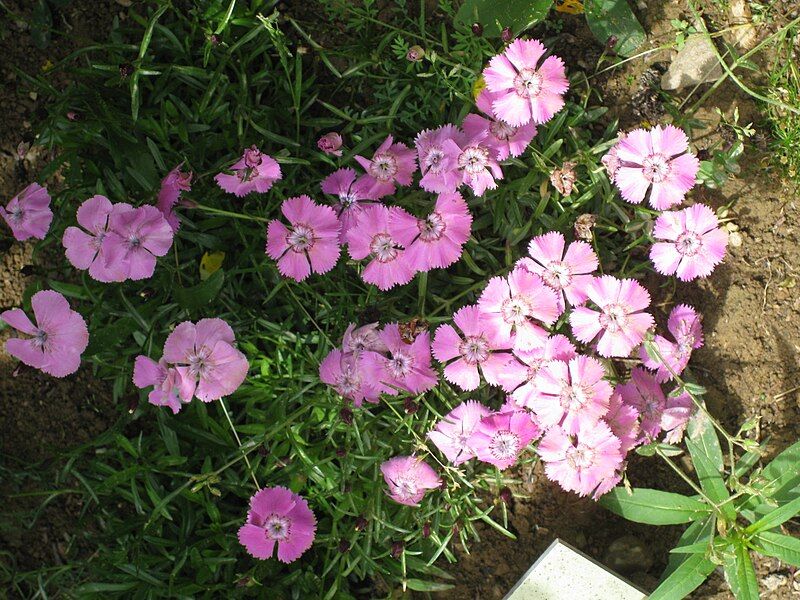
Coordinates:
(500, 438)
(436, 241)
(573, 395)
(392, 163)
(371, 236)
(353, 197)
(610, 160)
(619, 321)
(169, 387)
(452, 433)
(330, 143)
(28, 213)
(278, 516)
(567, 273)
(580, 463)
(172, 185)
(481, 347)
(344, 374)
(206, 359)
(676, 416)
(366, 337)
(407, 367)
(438, 151)
(658, 160)
(312, 242)
(686, 327)
(511, 304)
(623, 420)
(478, 165)
(408, 478)
(557, 347)
(133, 241)
(506, 140)
(656, 411)
(57, 340)
(254, 172)
(84, 249)
(527, 88)
(693, 243)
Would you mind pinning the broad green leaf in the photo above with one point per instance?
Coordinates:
(780, 476)
(654, 507)
(685, 579)
(710, 478)
(697, 532)
(776, 517)
(740, 574)
(782, 547)
(111, 337)
(701, 431)
(494, 15)
(608, 18)
(200, 294)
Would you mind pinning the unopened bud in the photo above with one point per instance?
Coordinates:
(415, 53)
(506, 495)
(410, 406)
(506, 35)
(426, 529)
(477, 29)
(344, 546)
(346, 415)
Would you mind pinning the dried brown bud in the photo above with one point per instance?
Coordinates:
(506, 495)
(506, 35)
(346, 415)
(584, 225)
(426, 529)
(477, 29)
(410, 406)
(344, 546)
(563, 179)
(409, 330)
(397, 549)
(361, 523)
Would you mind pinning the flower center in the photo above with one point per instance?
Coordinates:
(573, 397)
(400, 365)
(432, 227)
(277, 527)
(504, 444)
(653, 407)
(688, 243)
(348, 383)
(474, 349)
(40, 339)
(247, 174)
(528, 83)
(502, 130)
(383, 247)
(134, 241)
(613, 318)
(515, 310)
(473, 160)
(656, 167)
(533, 368)
(405, 487)
(347, 199)
(301, 238)
(17, 215)
(434, 161)
(252, 158)
(383, 167)
(581, 457)
(557, 275)
(198, 365)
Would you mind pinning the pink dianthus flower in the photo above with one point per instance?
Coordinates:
(657, 412)
(175, 182)
(393, 163)
(56, 341)
(557, 347)
(312, 242)
(371, 237)
(408, 478)
(254, 172)
(278, 516)
(686, 328)
(408, 366)
(169, 387)
(438, 151)
(623, 419)
(692, 243)
(28, 213)
(452, 433)
(344, 373)
(506, 140)
(527, 87)
(500, 438)
(353, 196)
(366, 337)
(478, 165)
(330, 143)
(134, 239)
(619, 320)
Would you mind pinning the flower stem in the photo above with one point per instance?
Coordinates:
(227, 213)
(239, 442)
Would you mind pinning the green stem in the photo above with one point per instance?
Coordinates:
(685, 477)
(227, 213)
(239, 442)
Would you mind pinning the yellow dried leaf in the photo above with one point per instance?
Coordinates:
(478, 87)
(570, 7)
(210, 264)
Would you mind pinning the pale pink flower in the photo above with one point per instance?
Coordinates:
(686, 328)
(478, 165)
(278, 516)
(657, 160)
(84, 249)
(343, 372)
(408, 366)
(437, 241)
(619, 321)
(506, 140)
(366, 337)
(623, 419)
(527, 87)
(512, 305)
(169, 387)
(452, 433)
(330, 143)
(371, 237)
(175, 182)
(481, 347)
(133, 241)
(311, 243)
(566, 273)
(353, 196)
(438, 151)
(692, 245)
(571, 394)
(557, 347)
(254, 172)
(206, 359)
(676, 415)
(393, 163)
(28, 213)
(56, 341)
(610, 161)
(408, 478)
(500, 438)
(580, 463)
(644, 393)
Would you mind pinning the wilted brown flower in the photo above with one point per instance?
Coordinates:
(563, 179)
(584, 225)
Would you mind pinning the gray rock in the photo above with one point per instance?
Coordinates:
(627, 555)
(695, 63)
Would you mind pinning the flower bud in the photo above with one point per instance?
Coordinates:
(477, 29)
(426, 530)
(330, 143)
(344, 546)
(361, 523)
(397, 549)
(506, 495)
(506, 35)
(252, 157)
(410, 406)
(346, 415)
(415, 53)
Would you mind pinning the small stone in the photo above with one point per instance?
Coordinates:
(628, 555)
(695, 63)
(773, 581)
(742, 32)
(735, 239)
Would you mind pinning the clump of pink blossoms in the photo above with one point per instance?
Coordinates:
(353, 195)
(392, 164)
(506, 140)
(499, 438)
(28, 213)
(453, 432)
(253, 172)
(408, 478)
(686, 328)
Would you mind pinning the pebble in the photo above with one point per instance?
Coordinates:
(628, 554)
(695, 63)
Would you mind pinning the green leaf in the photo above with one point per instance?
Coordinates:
(494, 15)
(776, 517)
(780, 476)
(701, 431)
(201, 294)
(697, 532)
(41, 23)
(740, 574)
(70, 290)
(782, 547)
(704, 447)
(418, 585)
(608, 18)
(685, 579)
(111, 337)
(654, 507)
